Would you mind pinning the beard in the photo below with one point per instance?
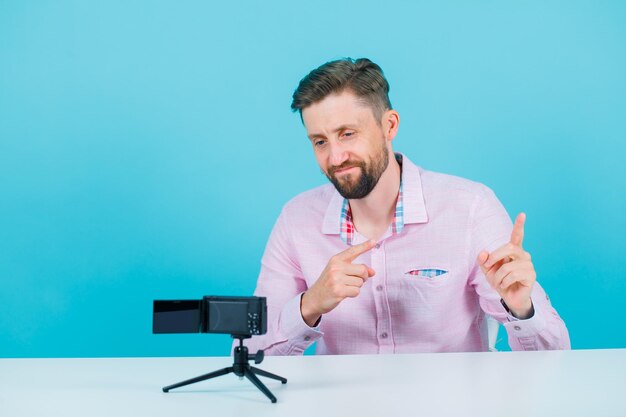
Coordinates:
(355, 186)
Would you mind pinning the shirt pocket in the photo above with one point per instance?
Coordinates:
(433, 288)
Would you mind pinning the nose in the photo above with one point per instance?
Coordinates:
(338, 154)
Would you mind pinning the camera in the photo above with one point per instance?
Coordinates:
(242, 316)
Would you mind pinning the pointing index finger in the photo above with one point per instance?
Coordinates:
(353, 252)
(517, 235)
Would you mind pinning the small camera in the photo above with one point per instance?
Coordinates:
(242, 316)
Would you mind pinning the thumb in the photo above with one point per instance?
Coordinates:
(370, 272)
(482, 258)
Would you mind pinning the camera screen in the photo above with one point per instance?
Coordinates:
(181, 316)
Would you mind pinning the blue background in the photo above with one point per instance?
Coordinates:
(146, 149)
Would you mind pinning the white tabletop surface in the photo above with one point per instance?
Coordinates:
(590, 383)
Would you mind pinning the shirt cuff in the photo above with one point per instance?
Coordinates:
(525, 328)
(293, 326)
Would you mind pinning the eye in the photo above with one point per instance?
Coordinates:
(348, 134)
(319, 143)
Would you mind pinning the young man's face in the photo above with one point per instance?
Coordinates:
(350, 145)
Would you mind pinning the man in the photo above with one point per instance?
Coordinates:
(391, 258)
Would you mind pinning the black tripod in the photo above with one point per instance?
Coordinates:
(241, 368)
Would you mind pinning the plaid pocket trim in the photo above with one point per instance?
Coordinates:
(426, 273)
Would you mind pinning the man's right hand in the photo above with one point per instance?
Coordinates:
(339, 280)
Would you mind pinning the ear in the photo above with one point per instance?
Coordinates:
(390, 123)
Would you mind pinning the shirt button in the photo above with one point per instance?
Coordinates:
(379, 288)
(517, 328)
(307, 338)
(384, 335)
(377, 246)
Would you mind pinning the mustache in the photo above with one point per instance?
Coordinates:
(346, 164)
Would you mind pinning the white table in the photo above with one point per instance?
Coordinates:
(589, 383)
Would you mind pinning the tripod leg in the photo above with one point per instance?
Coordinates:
(268, 375)
(253, 378)
(204, 377)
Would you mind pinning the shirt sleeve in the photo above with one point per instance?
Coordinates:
(491, 228)
(282, 283)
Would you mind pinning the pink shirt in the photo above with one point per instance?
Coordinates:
(447, 222)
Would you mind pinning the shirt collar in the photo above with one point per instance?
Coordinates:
(412, 201)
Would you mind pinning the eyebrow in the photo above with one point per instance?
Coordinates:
(338, 129)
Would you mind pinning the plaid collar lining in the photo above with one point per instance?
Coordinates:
(346, 226)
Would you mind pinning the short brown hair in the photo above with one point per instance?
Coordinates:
(363, 77)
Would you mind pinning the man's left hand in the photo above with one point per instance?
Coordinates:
(510, 271)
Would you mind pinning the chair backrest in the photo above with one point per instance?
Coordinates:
(493, 326)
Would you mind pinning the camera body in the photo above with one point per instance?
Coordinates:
(242, 316)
